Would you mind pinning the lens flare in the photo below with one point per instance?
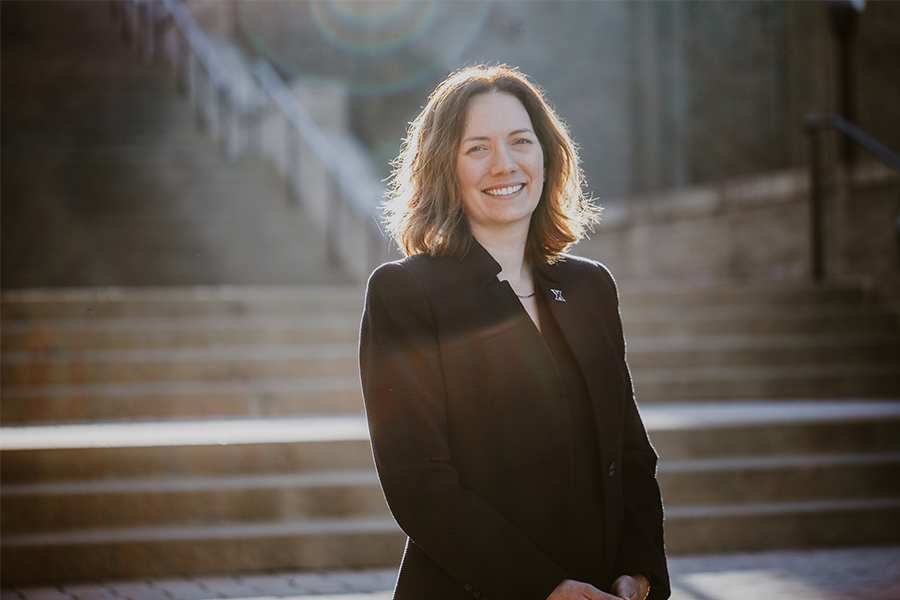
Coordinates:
(396, 44)
(372, 27)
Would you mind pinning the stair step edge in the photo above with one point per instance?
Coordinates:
(205, 532)
(190, 484)
(815, 506)
(776, 462)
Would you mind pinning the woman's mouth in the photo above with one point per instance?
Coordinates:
(505, 191)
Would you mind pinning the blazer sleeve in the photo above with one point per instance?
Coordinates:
(404, 392)
(641, 549)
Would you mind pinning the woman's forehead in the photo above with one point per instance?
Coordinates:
(495, 112)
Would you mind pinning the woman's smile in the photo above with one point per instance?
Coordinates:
(505, 191)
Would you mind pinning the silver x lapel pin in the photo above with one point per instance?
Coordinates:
(557, 295)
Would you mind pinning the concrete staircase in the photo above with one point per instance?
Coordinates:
(177, 431)
(183, 431)
(108, 180)
(761, 341)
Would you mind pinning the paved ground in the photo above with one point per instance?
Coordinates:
(857, 574)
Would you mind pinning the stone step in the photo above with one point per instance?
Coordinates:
(82, 505)
(765, 320)
(320, 545)
(193, 501)
(679, 432)
(60, 18)
(729, 295)
(90, 166)
(765, 428)
(776, 349)
(97, 108)
(794, 525)
(116, 69)
(135, 141)
(23, 369)
(100, 554)
(852, 445)
(788, 478)
(235, 447)
(174, 400)
(92, 133)
(175, 332)
(169, 147)
(691, 349)
(823, 380)
(211, 301)
(701, 305)
(237, 363)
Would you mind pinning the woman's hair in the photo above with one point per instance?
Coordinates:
(424, 209)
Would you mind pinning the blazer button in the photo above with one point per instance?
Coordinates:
(477, 595)
(612, 469)
(468, 588)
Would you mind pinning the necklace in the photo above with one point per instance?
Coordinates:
(523, 297)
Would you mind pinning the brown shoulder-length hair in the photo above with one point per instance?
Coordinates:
(424, 209)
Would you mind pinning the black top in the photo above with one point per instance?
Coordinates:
(588, 493)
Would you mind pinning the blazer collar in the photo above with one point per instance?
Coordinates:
(547, 272)
(479, 262)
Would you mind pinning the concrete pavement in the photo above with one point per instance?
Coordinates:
(857, 573)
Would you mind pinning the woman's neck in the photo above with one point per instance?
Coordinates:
(508, 249)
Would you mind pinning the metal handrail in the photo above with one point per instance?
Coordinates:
(304, 127)
(815, 124)
(315, 138)
(200, 45)
(177, 14)
(309, 130)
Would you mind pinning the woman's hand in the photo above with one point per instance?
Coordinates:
(570, 589)
(631, 588)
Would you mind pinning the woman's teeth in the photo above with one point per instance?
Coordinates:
(505, 191)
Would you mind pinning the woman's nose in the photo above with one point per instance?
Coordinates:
(502, 162)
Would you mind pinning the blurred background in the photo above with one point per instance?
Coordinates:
(190, 209)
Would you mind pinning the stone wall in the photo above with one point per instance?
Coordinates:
(755, 229)
(658, 94)
(865, 231)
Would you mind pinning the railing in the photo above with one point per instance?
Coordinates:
(236, 110)
(814, 125)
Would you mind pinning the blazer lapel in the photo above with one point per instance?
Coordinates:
(580, 315)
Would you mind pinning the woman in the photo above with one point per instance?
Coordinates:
(500, 407)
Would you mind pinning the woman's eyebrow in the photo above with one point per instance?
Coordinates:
(476, 138)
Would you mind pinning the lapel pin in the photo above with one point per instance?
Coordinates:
(557, 295)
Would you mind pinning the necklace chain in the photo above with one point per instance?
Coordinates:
(523, 297)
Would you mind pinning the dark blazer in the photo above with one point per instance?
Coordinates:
(471, 431)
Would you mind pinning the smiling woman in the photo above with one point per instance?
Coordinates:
(425, 211)
(499, 402)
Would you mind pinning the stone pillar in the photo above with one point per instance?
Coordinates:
(659, 95)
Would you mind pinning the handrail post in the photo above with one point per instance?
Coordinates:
(151, 34)
(136, 28)
(292, 157)
(176, 61)
(333, 205)
(815, 208)
(223, 113)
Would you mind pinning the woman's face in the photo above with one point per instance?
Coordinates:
(500, 166)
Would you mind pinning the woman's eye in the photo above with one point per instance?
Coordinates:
(474, 149)
(522, 141)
